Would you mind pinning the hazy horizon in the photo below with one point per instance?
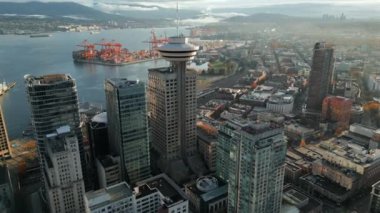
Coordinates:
(211, 4)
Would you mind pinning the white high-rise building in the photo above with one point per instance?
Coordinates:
(172, 102)
(63, 173)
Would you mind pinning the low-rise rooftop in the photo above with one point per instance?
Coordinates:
(103, 197)
(164, 185)
(47, 79)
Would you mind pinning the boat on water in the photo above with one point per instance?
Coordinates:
(39, 35)
(4, 87)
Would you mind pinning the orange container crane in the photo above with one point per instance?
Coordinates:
(89, 50)
(155, 43)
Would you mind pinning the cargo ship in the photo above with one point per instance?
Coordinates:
(40, 35)
(110, 54)
(4, 87)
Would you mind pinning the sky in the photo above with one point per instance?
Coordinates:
(202, 4)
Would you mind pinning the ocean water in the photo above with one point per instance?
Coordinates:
(21, 55)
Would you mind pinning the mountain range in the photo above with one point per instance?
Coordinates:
(55, 10)
(121, 11)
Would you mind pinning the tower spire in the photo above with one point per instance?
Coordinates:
(177, 18)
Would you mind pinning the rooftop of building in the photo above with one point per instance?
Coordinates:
(164, 185)
(292, 166)
(304, 202)
(342, 150)
(100, 118)
(362, 130)
(376, 185)
(168, 70)
(108, 160)
(124, 82)
(281, 98)
(103, 197)
(55, 139)
(323, 45)
(253, 128)
(208, 138)
(208, 188)
(256, 128)
(261, 93)
(326, 184)
(47, 79)
(297, 127)
(338, 99)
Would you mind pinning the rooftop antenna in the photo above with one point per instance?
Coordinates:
(177, 19)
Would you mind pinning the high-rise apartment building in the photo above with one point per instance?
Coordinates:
(128, 127)
(256, 169)
(64, 184)
(5, 151)
(53, 101)
(172, 102)
(321, 76)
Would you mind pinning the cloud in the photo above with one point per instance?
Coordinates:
(124, 7)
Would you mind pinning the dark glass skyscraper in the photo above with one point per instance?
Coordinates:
(128, 127)
(5, 151)
(53, 102)
(321, 76)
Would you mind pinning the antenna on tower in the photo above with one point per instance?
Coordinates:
(177, 18)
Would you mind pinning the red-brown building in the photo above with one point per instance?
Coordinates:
(337, 109)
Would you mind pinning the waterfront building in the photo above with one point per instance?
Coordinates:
(256, 168)
(128, 127)
(53, 101)
(5, 151)
(117, 198)
(62, 172)
(207, 195)
(173, 103)
(321, 76)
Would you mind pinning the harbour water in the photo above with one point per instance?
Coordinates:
(21, 55)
